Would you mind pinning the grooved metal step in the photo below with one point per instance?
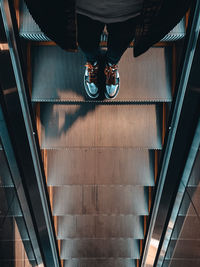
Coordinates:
(103, 166)
(30, 30)
(100, 200)
(100, 248)
(118, 262)
(90, 125)
(58, 75)
(100, 226)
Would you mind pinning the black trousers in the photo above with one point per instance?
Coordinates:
(120, 35)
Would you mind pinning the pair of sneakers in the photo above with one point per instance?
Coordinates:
(91, 81)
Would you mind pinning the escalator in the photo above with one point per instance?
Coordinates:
(101, 158)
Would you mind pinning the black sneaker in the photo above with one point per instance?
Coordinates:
(91, 80)
(112, 80)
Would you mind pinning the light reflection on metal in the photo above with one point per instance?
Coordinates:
(154, 243)
(4, 47)
(10, 91)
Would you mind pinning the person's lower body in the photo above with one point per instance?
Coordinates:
(120, 35)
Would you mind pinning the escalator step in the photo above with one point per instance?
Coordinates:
(100, 226)
(88, 166)
(100, 248)
(118, 262)
(100, 200)
(90, 125)
(58, 75)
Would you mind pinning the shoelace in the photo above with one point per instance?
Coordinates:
(92, 70)
(110, 72)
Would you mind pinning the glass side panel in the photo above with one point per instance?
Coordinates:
(183, 249)
(15, 246)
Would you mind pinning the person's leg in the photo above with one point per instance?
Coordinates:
(89, 34)
(120, 35)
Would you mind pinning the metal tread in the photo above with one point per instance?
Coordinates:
(101, 166)
(100, 226)
(117, 262)
(90, 125)
(96, 200)
(30, 30)
(57, 76)
(100, 248)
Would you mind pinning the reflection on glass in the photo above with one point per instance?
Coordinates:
(15, 246)
(183, 249)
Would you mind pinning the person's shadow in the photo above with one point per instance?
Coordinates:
(59, 78)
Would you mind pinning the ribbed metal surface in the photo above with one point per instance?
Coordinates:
(90, 125)
(58, 75)
(118, 262)
(30, 30)
(100, 248)
(100, 200)
(100, 226)
(122, 166)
